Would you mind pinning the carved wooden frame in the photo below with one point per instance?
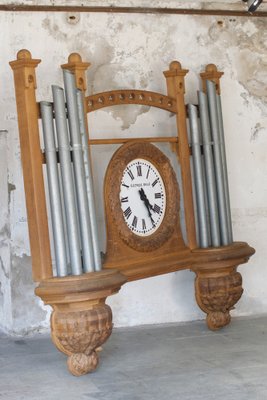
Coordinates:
(114, 214)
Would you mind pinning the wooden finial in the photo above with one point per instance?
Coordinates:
(175, 66)
(27, 65)
(212, 74)
(175, 69)
(211, 68)
(24, 59)
(24, 55)
(74, 58)
(175, 78)
(78, 68)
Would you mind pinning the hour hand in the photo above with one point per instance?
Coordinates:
(147, 204)
(142, 194)
(145, 199)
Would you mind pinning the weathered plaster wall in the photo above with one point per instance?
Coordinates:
(132, 51)
(5, 295)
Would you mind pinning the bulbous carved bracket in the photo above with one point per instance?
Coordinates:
(217, 295)
(80, 333)
(81, 321)
(218, 286)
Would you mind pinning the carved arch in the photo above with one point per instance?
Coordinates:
(141, 97)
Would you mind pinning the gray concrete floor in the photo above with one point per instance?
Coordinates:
(172, 362)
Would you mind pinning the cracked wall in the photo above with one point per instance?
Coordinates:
(131, 51)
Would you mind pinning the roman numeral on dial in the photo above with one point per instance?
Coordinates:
(139, 170)
(156, 208)
(134, 223)
(124, 200)
(128, 212)
(155, 182)
(131, 175)
(157, 195)
(143, 224)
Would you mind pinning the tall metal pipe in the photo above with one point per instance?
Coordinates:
(224, 165)
(189, 139)
(64, 218)
(67, 179)
(205, 191)
(199, 179)
(213, 113)
(89, 180)
(209, 170)
(79, 172)
(54, 189)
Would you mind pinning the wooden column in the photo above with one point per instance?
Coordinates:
(31, 156)
(176, 89)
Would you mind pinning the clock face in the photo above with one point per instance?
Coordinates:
(142, 197)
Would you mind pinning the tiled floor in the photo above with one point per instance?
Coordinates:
(172, 362)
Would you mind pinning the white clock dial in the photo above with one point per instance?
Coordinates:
(142, 197)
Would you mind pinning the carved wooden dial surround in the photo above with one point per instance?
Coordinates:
(114, 214)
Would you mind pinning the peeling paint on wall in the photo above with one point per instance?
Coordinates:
(256, 131)
(53, 29)
(10, 188)
(1, 296)
(5, 232)
(26, 311)
(245, 44)
(5, 300)
(2, 267)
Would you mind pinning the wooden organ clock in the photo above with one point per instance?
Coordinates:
(142, 203)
